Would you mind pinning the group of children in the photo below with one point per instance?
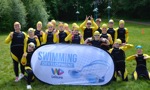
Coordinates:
(90, 32)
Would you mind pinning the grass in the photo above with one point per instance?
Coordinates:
(7, 75)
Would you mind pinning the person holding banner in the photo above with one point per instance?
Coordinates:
(97, 41)
(98, 22)
(31, 38)
(104, 34)
(141, 69)
(17, 39)
(75, 37)
(39, 32)
(66, 28)
(118, 56)
(122, 32)
(86, 27)
(50, 34)
(26, 61)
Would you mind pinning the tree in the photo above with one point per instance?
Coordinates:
(36, 11)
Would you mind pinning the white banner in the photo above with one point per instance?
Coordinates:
(72, 65)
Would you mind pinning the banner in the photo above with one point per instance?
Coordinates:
(71, 64)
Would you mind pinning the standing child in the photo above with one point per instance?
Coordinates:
(86, 27)
(31, 38)
(141, 69)
(98, 22)
(17, 39)
(39, 32)
(122, 32)
(50, 34)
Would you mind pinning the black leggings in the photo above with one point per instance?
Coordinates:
(16, 69)
(30, 76)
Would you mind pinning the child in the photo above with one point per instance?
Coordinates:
(31, 38)
(75, 37)
(104, 34)
(26, 61)
(39, 32)
(141, 69)
(86, 27)
(62, 34)
(50, 34)
(118, 56)
(17, 39)
(122, 32)
(98, 22)
(97, 41)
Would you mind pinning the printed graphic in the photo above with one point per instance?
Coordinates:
(57, 71)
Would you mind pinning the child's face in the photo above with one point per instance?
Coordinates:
(121, 25)
(66, 27)
(61, 28)
(98, 23)
(50, 28)
(30, 48)
(116, 45)
(39, 26)
(17, 27)
(96, 37)
(111, 24)
(104, 30)
(139, 51)
(76, 32)
(88, 25)
(31, 34)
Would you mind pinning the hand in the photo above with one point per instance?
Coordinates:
(35, 37)
(41, 32)
(136, 55)
(87, 18)
(80, 36)
(25, 54)
(91, 17)
(11, 34)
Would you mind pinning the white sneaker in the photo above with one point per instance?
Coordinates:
(16, 80)
(20, 76)
(29, 87)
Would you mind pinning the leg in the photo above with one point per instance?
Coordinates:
(115, 76)
(30, 76)
(16, 69)
(135, 75)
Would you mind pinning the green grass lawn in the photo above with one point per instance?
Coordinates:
(135, 37)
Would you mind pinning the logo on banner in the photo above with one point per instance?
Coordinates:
(57, 71)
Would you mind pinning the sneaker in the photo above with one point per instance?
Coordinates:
(16, 80)
(20, 76)
(29, 87)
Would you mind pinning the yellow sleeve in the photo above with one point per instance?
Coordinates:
(67, 32)
(25, 45)
(82, 40)
(95, 27)
(41, 38)
(82, 26)
(127, 35)
(110, 50)
(23, 60)
(68, 38)
(115, 37)
(8, 39)
(55, 38)
(132, 57)
(37, 42)
(126, 47)
(45, 37)
(147, 56)
(110, 39)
